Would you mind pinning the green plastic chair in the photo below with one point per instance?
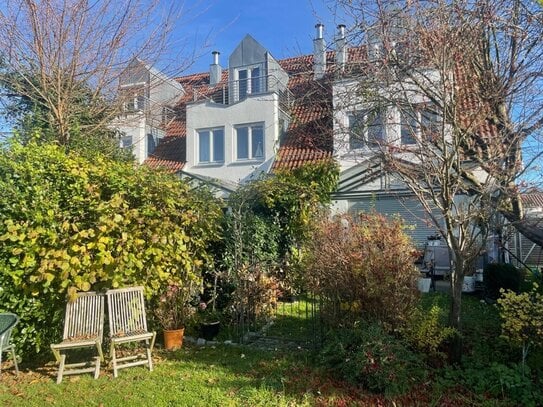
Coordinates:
(7, 323)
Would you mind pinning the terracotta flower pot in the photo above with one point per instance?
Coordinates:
(173, 339)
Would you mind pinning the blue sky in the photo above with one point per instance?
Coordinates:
(283, 27)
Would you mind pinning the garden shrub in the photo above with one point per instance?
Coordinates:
(522, 319)
(367, 355)
(69, 224)
(363, 270)
(426, 332)
(497, 276)
(268, 219)
(497, 380)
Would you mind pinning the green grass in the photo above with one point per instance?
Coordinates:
(242, 376)
(221, 376)
(295, 321)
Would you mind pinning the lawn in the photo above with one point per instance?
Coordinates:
(193, 376)
(232, 375)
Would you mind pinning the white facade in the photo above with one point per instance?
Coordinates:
(148, 95)
(260, 110)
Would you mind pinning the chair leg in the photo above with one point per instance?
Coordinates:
(61, 368)
(1, 361)
(149, 358)
(113, 359)
(97, 370)
(15, 360)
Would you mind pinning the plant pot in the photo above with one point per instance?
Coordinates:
(469, 284)
(173, 339)
(423, 284)
(210, 330)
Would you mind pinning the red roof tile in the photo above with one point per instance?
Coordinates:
(170, 154)
(533, 199)
(308, 138)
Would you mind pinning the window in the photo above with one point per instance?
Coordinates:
(250, 142)
(409, 123)
(250, 81)
(211, 145)
(126, 141)
(418, 120)
(153, 140)
(134, 99)
(366, 128)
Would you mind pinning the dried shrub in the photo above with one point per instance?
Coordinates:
(363, 269)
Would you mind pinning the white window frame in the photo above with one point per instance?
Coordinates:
(250, 127)
(123, 140)
(211, 132)
(249, 80)
(365, 142)
(419, 110)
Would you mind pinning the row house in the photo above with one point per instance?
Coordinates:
(259, 114)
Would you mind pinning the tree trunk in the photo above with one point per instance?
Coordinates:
(457, 280)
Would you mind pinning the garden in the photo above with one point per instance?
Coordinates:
(306, 309)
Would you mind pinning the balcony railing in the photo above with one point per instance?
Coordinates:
(237, 90)
(157, 114)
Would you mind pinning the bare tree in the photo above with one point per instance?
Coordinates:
(65, 56)
(462, 81)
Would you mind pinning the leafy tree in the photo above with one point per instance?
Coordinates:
(68, 224)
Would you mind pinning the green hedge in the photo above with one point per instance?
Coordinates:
(497, 276)
(69, 224)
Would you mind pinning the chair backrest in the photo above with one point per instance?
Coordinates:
(7, 323)
(126, 311)
(84, 317)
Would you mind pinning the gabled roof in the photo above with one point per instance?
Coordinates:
(308, 138)
(532, 199)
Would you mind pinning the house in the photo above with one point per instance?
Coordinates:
(259, 115)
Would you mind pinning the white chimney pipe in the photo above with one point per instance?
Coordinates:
(341, 52)
(319, 53)
(215, 69)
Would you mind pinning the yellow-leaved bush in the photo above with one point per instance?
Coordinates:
(69, 224)
(522, 318)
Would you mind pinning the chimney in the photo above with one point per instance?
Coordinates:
(341, 51)
(319, 53)
(215, 70)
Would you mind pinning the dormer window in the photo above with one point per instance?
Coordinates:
(366, 128)
(421, 120)
(249, 81)
(134, 99)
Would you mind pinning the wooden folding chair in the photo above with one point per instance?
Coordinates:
(127, 323)
(7, 323)
(83, 328)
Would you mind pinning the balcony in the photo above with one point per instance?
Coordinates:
(234, 91)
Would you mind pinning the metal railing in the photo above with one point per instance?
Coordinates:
(237, 90)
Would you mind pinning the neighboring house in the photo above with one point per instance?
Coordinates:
(147, 95)
(260, 115)
(524, 252)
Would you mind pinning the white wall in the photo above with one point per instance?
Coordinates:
(255, 109)
(134, 125)
(347, 98)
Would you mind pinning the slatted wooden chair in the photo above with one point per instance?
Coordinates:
(7, 323)
(83, 328)
(128, 323)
